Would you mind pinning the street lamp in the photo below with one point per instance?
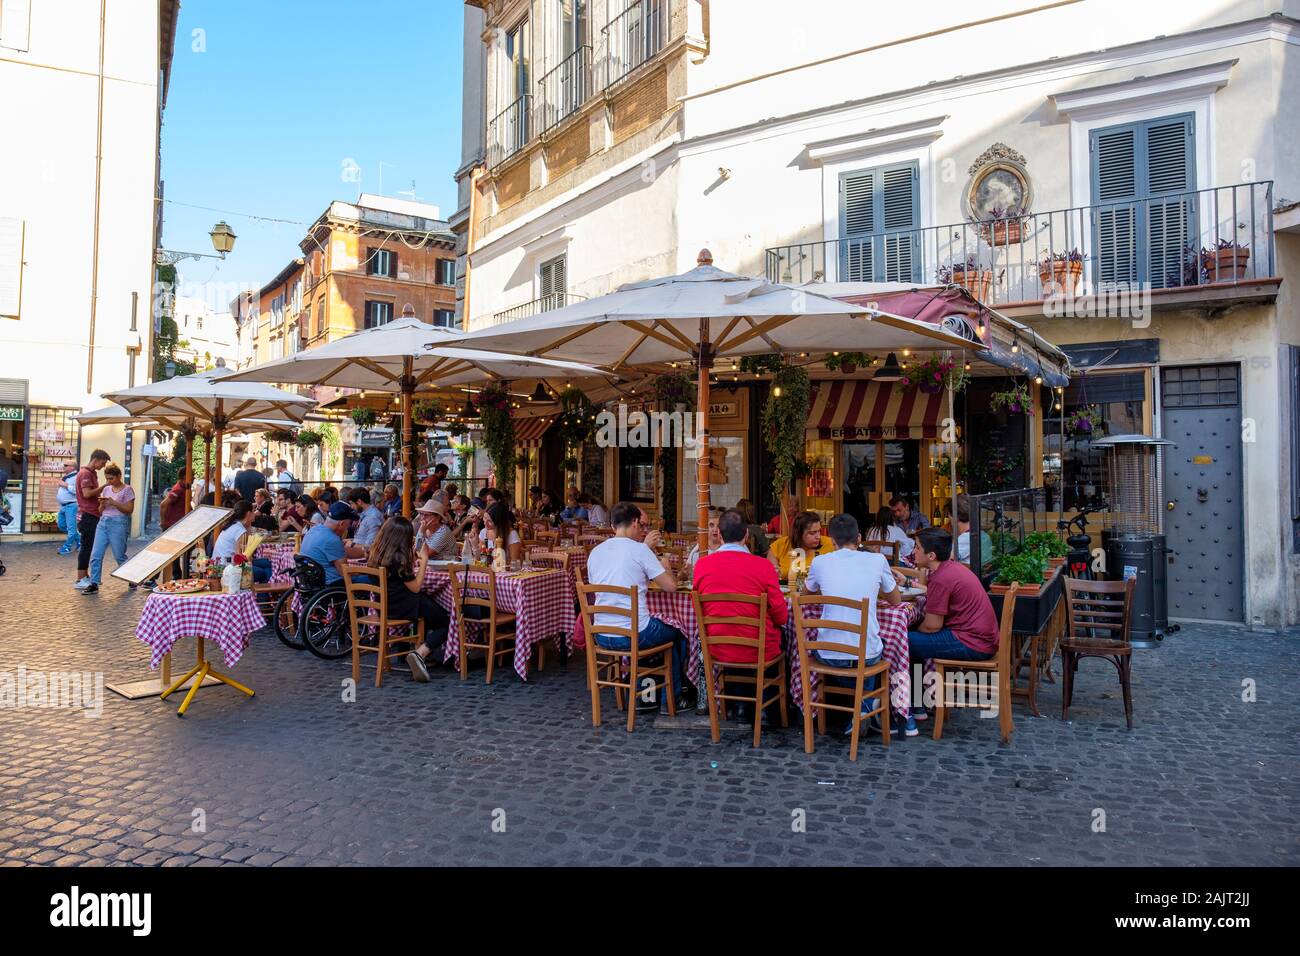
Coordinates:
(223, 241)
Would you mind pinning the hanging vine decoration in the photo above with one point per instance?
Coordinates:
(498, 431)
(785, 417)
(363, 417)
(576, 424)
(1016, 400)
(672, 391)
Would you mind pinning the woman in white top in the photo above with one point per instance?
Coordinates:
(238, 523)
(715, 538)
(884, 529)
(500, 526)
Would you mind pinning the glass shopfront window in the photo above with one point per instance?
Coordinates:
(1090, 407)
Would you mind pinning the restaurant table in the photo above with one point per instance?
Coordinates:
(541, 601)
(281, 555)
(228, 619)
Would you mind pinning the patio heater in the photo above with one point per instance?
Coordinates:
(1135, 543)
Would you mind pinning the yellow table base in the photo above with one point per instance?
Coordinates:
(204, 670)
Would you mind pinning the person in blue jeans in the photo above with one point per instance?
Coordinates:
(117, 501)
(628, 560)
(960, 623)
(67, 500)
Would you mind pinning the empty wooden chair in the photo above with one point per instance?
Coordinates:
(368, 609)
(888, 548)
(478, 614)
(810, 665)
(999, 665)
(605, 666)
(1097, 625)
(758, 677)
(547, 560)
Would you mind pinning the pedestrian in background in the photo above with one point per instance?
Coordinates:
(87, 488)
(116, 500)
(67, 499)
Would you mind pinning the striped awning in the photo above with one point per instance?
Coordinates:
(872, 410)
(529, 431)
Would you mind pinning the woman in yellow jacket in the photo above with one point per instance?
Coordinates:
(806, 533)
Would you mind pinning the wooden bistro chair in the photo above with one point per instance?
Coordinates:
(999, 665)
(547, 560)
(756, 679)
(810, 665)
(605, 667)
(1097, 625)
(888, 548)
(268, 594)
(368, 608)
(497, 627)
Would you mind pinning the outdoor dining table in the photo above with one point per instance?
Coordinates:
(281, 555)
(541, 601)
(228, 619)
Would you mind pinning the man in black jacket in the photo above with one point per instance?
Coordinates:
(249, 480)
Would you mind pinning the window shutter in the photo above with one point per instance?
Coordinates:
(858, 222)
(15, 23)
(11, 266)
(392, 265)
(551, 279)
(901, 214)
(1168, 154)
(1115, 180)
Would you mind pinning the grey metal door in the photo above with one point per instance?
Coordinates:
(1203, 492)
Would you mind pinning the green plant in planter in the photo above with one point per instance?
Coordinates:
(309, 437)
(282, 435)
(785, 417)
(1003, 543)
(847, 362)
(1046, 543)
(758, 364)
(363, 417)
(1027, 568)
(1015, 400)
(426, 412)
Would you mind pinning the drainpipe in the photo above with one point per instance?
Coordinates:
(475, 175)
(99, 168)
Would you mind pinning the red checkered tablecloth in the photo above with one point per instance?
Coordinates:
(228, 619)
(281, 557)
(542, 602)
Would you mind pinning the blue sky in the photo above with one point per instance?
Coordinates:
(272, 99)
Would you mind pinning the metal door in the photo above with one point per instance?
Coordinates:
(1203, 492)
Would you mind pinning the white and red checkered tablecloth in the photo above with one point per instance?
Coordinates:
(228, 619)
(542, 602)
(281, 556)
(577, 563)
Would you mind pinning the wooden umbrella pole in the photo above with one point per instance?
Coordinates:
(704, 362)
(408, 449)
(207, 464)
(189, 468)
(218, 423)
(952, 476)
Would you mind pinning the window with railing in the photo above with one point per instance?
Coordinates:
(633, 36)
(510, 129)
(564, 89)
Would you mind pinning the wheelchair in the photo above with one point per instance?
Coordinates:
(313, 615)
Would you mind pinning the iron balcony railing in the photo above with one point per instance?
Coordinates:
(563, 90)
(1222, 235)
(508, 132)
(545, 303)
(634, 37)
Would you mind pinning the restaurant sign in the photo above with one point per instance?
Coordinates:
(11, 413)
(852, 432)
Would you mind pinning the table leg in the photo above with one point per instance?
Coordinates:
(201, 670)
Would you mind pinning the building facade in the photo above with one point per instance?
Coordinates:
(82, 106)
(1122, 178)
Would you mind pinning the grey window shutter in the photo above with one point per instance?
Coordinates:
(857, 226)
(1170, 178)
(1114, 189)
(901, 215)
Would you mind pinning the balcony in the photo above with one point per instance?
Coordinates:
(508, 131)
(564, 89)
(1211, 239)
(633, 38)
(545, 303)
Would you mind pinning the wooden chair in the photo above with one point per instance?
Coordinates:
(888, 548)
(753, 675)
(268, 594)
(556, 560)
(497, 626)
(810, 665)
(605, 666)
(546, 536)
(1097, 625)
(368, 608)
(999, 666)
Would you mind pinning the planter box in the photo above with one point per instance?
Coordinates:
(50, 528)
(1034, 605)
(1060, 278)
(1225, 265)
(978, 282)
(1001, 232)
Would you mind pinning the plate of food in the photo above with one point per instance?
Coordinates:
(183, 586)
(912, 593)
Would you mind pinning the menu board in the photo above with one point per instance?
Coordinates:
(48, 492)
(171, 544)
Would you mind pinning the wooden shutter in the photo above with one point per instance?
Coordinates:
(551, 278)
(857, 226)
(11, 266)
(1167, 148)
(900, 204)
(879, 209)
(392, 265)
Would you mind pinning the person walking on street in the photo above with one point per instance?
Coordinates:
(87, 490)
(67, 500)
(249, 480)
(117, 501)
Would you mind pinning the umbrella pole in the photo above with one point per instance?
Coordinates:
(952, 474)
(704, 362)
(189, 468)
(207, 465)
(218, 422)
(408, 451)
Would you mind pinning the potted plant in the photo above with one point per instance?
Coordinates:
(970, 275)
(363, 417)
(1049, 545)
(1060, 273)
(1083, 422)
(758, 364)
(1003, 226)
(846, 362)
(45, 521)
(934, 375)
(309, 438)
(426, 412)
(281, 435)
(1024, 568)
(1015, 400)
(498, 431)
(1226, 262)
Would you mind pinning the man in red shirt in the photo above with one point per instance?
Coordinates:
(959, 623)
(732, 569)
(88, 489)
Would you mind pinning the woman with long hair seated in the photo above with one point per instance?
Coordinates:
(392, 551)
(883, 528)
(804, 542)
(499, 527)
(239, 523)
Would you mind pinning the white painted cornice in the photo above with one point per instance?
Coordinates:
(875, 141)
(1143, 91)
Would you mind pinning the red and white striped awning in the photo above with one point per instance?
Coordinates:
(873, 410)
(529, 431)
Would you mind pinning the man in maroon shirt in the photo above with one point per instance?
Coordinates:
(960, 623)
(88, 489)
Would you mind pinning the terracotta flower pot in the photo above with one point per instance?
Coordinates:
(1225, 265)
(1001, 232)
(978, 282)
(1060, 278)
(848, 368)
(1026, 590)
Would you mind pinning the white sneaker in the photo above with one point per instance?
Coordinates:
(82, 584)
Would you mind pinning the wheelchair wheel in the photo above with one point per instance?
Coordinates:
(324, 627)
(285, 622)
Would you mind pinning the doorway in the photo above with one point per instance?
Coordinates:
(875, 471)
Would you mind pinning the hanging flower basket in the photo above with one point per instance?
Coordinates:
(1083, 422)
(1015, 400)
(846, 362)
(934, 375)
(281, 435)
(1003, 227)
(363, 417)
(309, 438)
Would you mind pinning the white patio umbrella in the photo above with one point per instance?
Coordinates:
(210, 400)
(695, 317)
(400, 357)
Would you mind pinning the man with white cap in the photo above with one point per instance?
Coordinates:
(434, 532)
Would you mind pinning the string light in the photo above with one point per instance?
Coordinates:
(776, 391)
(1015, 344)
(1038, 380)
(906, 353)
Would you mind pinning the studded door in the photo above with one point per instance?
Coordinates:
(1203, 492)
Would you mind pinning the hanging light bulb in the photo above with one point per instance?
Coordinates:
(1015, 344)
(1038, 380)
(968, 366)
(776, 391)
(907, 353)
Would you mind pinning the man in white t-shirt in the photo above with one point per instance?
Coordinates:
(628, 560)
(857, 575)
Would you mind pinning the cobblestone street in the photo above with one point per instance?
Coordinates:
(418, 774)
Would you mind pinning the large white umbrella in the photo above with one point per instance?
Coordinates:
(402, 356)
(695, 317)
(211, 400)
